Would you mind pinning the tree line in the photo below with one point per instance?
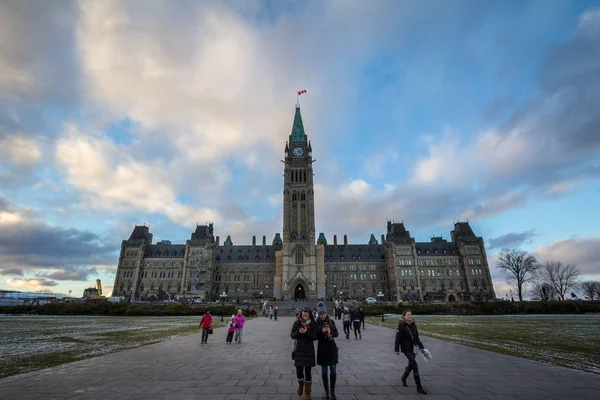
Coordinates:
(551, 280)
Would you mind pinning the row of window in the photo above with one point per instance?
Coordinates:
(245, 278)
(472, 250)
(171, 263)
(332, 267)
(476, 261)
(131, 253)
(245, 268)
(355, 277)
(439, 261)
(476, 272)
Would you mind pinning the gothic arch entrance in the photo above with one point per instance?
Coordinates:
(299, 292)
(451, 298)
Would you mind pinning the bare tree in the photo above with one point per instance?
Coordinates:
(590, 289)
(520, 267)
(561, 277)
(541, 290)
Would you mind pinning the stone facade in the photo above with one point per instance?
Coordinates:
(298, 265)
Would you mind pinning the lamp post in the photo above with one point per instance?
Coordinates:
(70, 294)
(363, 293)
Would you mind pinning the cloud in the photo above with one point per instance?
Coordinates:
(11, 271)
(581, 252)
(19, 150)
(511, 240)
(110, 178)
(30, 283)
(70, 274)
(26, 242)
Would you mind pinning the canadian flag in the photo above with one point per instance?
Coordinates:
(301, 91)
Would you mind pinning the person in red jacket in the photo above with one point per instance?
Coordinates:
(206, 324)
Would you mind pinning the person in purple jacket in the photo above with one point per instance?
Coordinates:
(239, 326)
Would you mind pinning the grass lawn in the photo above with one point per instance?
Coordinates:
(28, 343)
(568, 340)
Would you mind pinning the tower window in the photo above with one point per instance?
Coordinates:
(299, 257)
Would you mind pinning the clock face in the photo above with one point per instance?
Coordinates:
(298, 151)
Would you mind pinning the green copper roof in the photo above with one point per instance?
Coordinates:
(321, 239)
(298, 134)
(277, 240)
(372, 240)
(228, 241)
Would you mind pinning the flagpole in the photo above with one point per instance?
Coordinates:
(297, 100)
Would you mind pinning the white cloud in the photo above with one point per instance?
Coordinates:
(30, 283)
(19, 150)
(582, 252)
(111, 178)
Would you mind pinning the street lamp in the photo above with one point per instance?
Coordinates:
(380, 296)
(223, 296)
(363, 293)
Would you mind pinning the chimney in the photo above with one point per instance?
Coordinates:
(345, 240)
(382, 238)
(253, 241)
(217, 240)
(335, 240)
(264, 241)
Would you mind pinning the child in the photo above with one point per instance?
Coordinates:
(230, 329)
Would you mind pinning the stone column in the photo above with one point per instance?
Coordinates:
(278, 280)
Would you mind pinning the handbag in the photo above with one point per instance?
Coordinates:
(210, 331)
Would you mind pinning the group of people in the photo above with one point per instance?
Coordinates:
(235, 325)
(311, 326)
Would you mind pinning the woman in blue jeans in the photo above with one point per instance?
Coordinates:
(327, 351)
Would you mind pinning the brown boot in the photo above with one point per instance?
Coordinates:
(307, 390)
(300, 387)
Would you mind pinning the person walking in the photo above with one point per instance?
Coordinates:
(327, 352)
(297, 311)
(407, 338)
(346, 322)
(206, 324)
(355, 318)
(361, 312)
(275, 312)
(304, 332)
(239, 326)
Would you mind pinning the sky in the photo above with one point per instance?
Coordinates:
(173, 113)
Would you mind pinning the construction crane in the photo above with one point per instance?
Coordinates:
(99, 286)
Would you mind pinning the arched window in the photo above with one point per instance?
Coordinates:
(299, 257)
(452, 285)
(412, 285)
(404, 286)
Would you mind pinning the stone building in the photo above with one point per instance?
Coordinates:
(297, 264)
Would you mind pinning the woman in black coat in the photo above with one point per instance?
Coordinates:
(407, 337)
(327, 350)
(304, 331)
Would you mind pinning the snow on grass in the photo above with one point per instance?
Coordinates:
(32, 342)
(567, 340)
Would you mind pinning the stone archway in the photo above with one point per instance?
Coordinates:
(451, 298)
(299, 292)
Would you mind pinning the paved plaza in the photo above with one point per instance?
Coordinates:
(261, 369)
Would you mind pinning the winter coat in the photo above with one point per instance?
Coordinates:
(305, 348)
(239, 321)
(206, 321)
(404, 340)
(231, 326)
(354, 315)
(327, 350)
(346, 317)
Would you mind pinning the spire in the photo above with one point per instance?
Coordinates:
(298, 134)
(322, 239)
(372, 240)
(228, 241)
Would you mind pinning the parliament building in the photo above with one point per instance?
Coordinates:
(297, 264)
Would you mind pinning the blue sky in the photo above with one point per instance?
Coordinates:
(176, 113)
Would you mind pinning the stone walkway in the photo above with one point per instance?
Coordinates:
(261, 369)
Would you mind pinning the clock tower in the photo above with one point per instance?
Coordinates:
(298, 275)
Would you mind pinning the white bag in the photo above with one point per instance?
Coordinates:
(426, 355)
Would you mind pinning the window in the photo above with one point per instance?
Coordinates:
(433, 285)
(299, 257)
(404, 286)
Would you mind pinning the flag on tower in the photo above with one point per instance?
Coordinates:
(301, 91)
